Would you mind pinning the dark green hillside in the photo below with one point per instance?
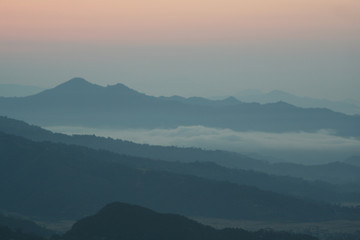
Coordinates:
(50, 180)
(8, 234)
(335, 172)
(200, 164)
(123, 221)
(20, 128)
(23, 225)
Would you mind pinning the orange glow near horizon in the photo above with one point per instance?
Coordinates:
(175, 21)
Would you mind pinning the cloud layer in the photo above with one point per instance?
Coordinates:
(318, 147)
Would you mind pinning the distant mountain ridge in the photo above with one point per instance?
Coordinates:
(305, 102)
(80, 87)
(79, 93)
(78, 102)
(229, 101)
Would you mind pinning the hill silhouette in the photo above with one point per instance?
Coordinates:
(7, 233)
(125, 221)
(248, 171)
(64, 181)
(305, 102)
(209, 164)
(22, 225)
(78, 102)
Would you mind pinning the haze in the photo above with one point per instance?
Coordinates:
(297, 147)
(243, 114)
(308, 48)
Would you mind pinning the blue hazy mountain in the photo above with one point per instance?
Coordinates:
(354, 160)
(211, 165)
(336, 172)
(348, 107)
(15, 90)
(78, 102)
(203, 101)
(49, 180)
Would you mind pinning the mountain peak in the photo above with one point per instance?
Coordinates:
(231, 99)
(76, 84)
(122, 89)
(77, 81)
(119, 86)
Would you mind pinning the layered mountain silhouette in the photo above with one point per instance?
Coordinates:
(306, 102)
(124, 221)
(78, 102)
(209, 164)
(10, 223)
(337, 172)
(48, 180)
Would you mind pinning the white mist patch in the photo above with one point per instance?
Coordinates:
(305, 147)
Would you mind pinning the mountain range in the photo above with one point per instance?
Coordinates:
(51, 176)
(78, 102)
(348, 107)
(216, 165)
(53, 180)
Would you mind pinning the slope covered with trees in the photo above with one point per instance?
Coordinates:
(51, 180)
(123, 221)
(209, 164)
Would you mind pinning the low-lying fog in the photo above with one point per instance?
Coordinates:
(300, 147)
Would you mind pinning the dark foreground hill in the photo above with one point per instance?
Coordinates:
(7, 233)
(22, 225)
(129, 222)
(48, 180)
(78, 102)
(197, 162)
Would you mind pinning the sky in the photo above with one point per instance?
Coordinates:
(188, 47)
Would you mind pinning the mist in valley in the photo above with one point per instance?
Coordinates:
(181, 120)
(295, 147)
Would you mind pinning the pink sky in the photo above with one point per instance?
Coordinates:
(162, 47)
(187, 21)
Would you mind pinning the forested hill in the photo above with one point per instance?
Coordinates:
(65, 181)
(238, 168)
(124, 221)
